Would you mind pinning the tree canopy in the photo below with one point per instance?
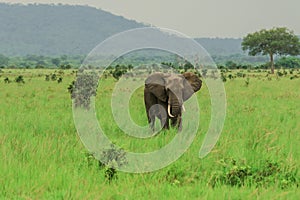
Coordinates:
(276, 41)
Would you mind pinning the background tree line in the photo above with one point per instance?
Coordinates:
(74, 62)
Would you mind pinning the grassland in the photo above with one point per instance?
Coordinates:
(256, 157)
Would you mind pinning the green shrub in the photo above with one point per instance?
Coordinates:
(20, 79)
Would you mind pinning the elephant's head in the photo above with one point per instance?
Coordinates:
(174, 89)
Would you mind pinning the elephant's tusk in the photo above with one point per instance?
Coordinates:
(183, 108)
(169, 111)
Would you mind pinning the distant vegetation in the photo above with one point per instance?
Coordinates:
(74, 62)
(40, 62)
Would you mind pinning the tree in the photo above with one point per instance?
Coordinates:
(280, 41)
(288, 62)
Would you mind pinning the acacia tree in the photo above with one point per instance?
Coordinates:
(276, 41)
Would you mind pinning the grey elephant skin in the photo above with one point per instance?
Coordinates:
(164, 95)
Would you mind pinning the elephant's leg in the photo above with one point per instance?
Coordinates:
(150, 101)
(163, 116)
(174, 122)
(151, 119)
(164, 121)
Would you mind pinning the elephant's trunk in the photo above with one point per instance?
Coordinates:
(174, 108)
(174, 104)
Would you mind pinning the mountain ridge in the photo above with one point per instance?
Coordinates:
(57, 29)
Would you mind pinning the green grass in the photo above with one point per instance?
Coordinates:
(43, 158)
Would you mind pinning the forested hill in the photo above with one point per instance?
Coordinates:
(72, 30)
(56, 29)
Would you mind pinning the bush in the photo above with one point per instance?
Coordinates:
(6, 80)
(240, 74)
(20, 79)
(53, 77)
(247, 81)
(223, 77)
(59, 80)
(111, 159)
(230, 76)
(47, 77)
(279, 74)
(83, 89)
(288, 62)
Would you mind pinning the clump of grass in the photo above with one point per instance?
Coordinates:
(238, 173)
(247, 81)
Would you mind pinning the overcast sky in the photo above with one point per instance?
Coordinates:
(201, 18)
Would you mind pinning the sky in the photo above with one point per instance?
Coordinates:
(201, 18)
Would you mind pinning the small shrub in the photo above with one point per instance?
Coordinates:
(247, 81)
(20, 79)
(294, 77)
(6, 80)
(230, 76)
(53, 77)
(240, 74)
(113, 158)
(223, 77)
(47, 77)
(59, 80)
(279, 74)
(71, 88)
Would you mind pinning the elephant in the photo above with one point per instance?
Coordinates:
(164, 95)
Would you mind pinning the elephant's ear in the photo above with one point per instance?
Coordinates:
(155, 83)
(192, 84)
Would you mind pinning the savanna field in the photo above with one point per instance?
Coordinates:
(256, 157)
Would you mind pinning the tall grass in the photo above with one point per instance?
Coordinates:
(43, 158)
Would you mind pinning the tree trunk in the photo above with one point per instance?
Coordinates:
(272, 63)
